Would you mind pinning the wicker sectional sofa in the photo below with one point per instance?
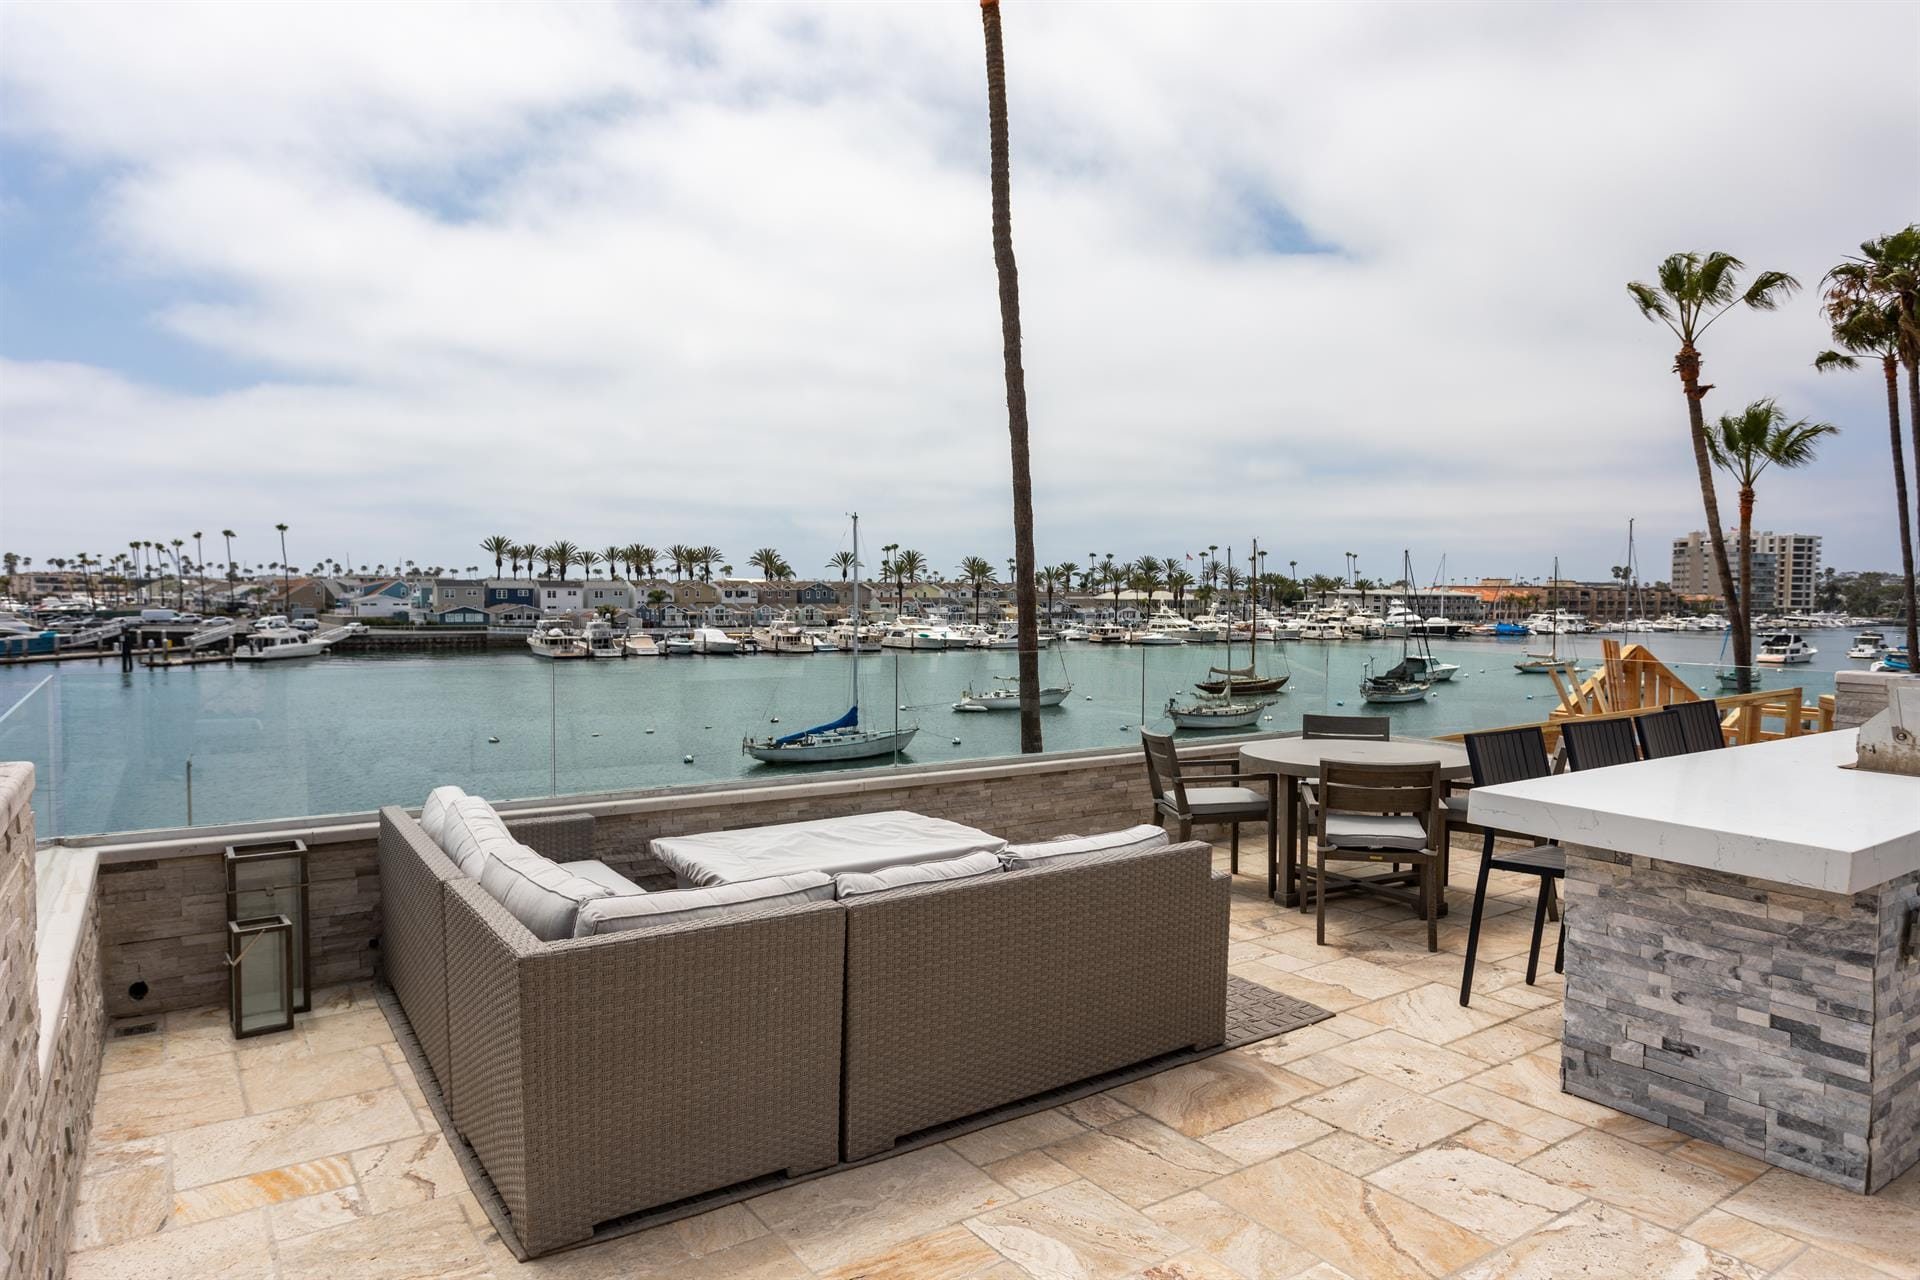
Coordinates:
(603, 1076)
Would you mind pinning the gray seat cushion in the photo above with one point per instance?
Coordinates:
(855, 884)
(714, 903)
(433, 814)
(1214, 802)
(1375, 831)
(539, 893)
(601, 874)
(1018, 857)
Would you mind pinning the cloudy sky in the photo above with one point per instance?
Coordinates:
(1347, 278)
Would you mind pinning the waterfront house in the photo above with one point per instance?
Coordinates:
(462, 615)
(447, 593)
(510, 613)
(520, 591)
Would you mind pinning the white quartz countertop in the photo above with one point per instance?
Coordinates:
(1782, 811)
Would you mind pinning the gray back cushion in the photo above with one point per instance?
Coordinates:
(433, 814)
(715, 902)
(1018, 857)
(539, 893)
(471, 824)
(853, 884)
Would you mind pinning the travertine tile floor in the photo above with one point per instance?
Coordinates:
(1404, 1137)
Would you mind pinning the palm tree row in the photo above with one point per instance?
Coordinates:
(1872, 303)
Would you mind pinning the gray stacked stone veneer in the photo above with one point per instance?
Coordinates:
(162, 894)
(1778, 1022)
(45, 1114)
(1858, 696)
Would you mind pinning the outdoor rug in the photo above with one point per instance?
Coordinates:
(1254, 1013)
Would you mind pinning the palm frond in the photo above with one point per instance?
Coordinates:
(1827, 361)
(1648, 299)
(1768, 289)
(1676, 271)
(1713, 282)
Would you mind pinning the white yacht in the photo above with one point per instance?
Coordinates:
(1867, 646)
(601, 639)
(783, 635)
(1106, 633)
(677, 646)
(1007, 636)
(278, 642)
(714, 642)
(1074, 631)
(1324, 623)
(553, 638)
(845, 636)
(969, 635)
(1401, 621)
(1147, 635)
(1785, 648)
(913, 633)
(642, 645)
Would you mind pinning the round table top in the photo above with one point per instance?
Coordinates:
(1301, 757)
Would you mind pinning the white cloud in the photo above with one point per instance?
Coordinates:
(721, 274)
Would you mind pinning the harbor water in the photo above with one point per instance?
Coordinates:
(338, 734)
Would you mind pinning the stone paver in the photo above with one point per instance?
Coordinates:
(1403, 1137)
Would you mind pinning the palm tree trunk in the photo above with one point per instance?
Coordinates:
(1025, 605)
(1900, 496)
(1687, 365)
(1745, 676)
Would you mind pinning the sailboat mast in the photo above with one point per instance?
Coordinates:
(854, 701)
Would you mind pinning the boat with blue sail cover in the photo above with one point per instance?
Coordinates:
(841, 739)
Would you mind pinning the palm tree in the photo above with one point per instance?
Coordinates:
(768, 562)
(1203, 595)
(229, 535)
(646, 560)
(1178, 581)
(1323, 584)
(1026, 607)
(1887, 272)
(200, 560)
(1744, 445)
(907, 568)
(286, 586)
(564, 555)
(843, 561)
(1363, 586)
(610, 556)
(977, 573)
(1867, 329)
(1118, 575)
(497, 546)
(1694, 291)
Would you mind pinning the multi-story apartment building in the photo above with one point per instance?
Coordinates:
(1786, 569)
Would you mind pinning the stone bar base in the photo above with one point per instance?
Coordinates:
(1775, 1021)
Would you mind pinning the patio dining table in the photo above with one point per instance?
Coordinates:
(1298, 760)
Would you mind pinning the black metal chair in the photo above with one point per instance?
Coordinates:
(1373, 728)
(1700, 724)
(1596, 744)
(1661, 733)
(1227, 799)
(1513, 755)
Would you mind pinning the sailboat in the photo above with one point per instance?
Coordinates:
(1247, 679)
(1537, 663)
(1235, 706)
(1407, 680)
(841, 739)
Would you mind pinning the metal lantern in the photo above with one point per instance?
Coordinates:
(268, 878)
(260, 975)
